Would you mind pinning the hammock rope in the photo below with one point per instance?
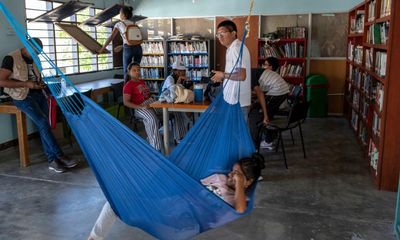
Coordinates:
(163, 196)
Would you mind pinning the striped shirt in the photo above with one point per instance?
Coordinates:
(273, 84)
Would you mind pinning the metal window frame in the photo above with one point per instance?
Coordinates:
(52, 42)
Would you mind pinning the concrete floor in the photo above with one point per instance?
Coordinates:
(329, 195)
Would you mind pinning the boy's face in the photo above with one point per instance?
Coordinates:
(134, 72)
(225, 36)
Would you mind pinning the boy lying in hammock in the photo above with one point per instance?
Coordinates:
(231, 188)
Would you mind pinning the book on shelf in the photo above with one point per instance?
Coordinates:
(153, 47)
(358, 54)
(288, 50)
(291, 70)
(380, 63)
(188, 47)
(385, 7)
(154, 86)
(356, 99)
(368, 58)
(356, 77)
(373, 153)
(152, 73)
(367, 84)
(190, 61)
(363, 134)
(354, 120)
(378, 94)
(376, 124)
(196, 75)
(291, 32)
(357, 22)
(378, 33)
(152, 61)
(371, 10)
(350, 51)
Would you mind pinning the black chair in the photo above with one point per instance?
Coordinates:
(117, 88)
(296, 117)
(293, 97)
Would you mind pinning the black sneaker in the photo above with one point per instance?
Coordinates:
(67, 162)
(57, 166)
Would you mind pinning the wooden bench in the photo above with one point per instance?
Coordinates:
(9, 108)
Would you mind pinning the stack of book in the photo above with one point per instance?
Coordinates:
(373, 153)
(357, 22)
(152, 48)
(152, 61)
(288, 50)
(188, 47)
(385, 7)
(371, 11)
(368, 59)
(152, 73)
(358, 55)
(291, 70)
(190, 61)
(380, 63)
(378, 33)
(291, 32)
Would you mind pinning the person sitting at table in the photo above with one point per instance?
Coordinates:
(180, 119)
(22, 80)
(136, 95)
(231, 188)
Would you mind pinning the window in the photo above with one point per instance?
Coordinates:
(62, 49)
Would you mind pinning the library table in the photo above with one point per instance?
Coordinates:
(99, 87)
(10, 108)
(177, 107)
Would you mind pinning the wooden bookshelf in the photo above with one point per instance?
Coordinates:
(296, 48)
(372, 93)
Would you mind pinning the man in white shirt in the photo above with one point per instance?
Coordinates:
(240, 76)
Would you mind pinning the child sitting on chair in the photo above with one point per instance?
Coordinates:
(231, 188)
(137, 96)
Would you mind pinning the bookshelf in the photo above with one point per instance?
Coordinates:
(195, 55)
(290, 49)
(371, 89)
(152, 64)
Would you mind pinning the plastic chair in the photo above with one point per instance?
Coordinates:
(296, 117)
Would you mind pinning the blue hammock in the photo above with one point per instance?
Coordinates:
(163, 196)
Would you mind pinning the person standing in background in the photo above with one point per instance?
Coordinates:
(130, 53)
(241, 75)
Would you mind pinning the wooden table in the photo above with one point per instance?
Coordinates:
(99, 87)
(9, 108)
(177, 107)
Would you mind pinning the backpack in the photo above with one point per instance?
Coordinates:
(212, 90)
(132, 34)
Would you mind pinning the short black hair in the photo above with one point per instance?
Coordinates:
(31, 42)
(127, 11)
(231, 26)
(273, 62)
(252, 166)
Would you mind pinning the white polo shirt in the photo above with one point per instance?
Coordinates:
(232, 87)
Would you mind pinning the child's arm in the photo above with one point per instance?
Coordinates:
(240, 193)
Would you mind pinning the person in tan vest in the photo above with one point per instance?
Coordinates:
(22, 80)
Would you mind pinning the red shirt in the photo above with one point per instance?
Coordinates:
(139, 91)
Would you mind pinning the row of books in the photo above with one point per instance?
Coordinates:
(153, 73)
(385, 7)
(291, 70)
(364, 108)
(291, 32)
(356, 99)
(289, 50)
(373, 154)
(191, 61)
(356, 76)
(153, 48)
(187, 47)
(378, 33)
(152, 61)
(380, 63)
(371, 10)
(357, 22)
(154, 86)
(196, 75)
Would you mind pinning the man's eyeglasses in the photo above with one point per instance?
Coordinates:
(220, 34)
